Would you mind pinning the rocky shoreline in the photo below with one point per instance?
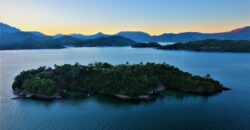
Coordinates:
(28, 95)
(20, 94)
(150, 96)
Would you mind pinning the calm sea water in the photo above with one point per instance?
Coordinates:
(166, 43)
(227, 110)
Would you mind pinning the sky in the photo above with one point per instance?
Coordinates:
(111, 16)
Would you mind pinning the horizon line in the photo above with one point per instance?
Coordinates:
(23, 30)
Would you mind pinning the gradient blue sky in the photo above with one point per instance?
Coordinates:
(112, 16)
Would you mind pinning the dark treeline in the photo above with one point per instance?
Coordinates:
(31, 44)
(211, 46)
(49, 43)
(147, 45)
(103, 78)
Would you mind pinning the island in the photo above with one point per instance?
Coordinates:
(125, 81)
(211, 45)
(67, 41)
(147, 45)
(237, 40)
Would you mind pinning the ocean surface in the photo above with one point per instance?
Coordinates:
(229, 110)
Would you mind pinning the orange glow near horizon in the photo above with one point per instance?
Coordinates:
(52, 30)
(111, 16)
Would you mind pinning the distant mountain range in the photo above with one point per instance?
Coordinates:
(237, 34)
(87, 37)
(13, 36)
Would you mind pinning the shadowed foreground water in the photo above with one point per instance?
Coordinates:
(227, 110)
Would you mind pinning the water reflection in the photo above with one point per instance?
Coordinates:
(80, 98)
(223, 111)
(182, 95)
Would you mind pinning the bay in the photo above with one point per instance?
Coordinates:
(227, 110)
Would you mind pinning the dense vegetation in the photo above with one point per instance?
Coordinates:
(65, 41)
(211, 45)
(115, 41)
(132, 81)
(108, 41)
(147, 45)
(31, 44)
(118, 41)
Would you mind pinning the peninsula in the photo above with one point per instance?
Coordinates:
(211, 45)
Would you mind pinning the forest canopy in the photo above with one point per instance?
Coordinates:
(124, 80)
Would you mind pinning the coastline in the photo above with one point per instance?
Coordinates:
(150, 96)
